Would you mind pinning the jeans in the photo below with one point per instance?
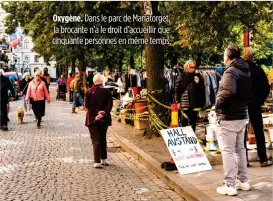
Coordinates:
(231, 142)
(27, 107)
(77, 98)
(256, 119)
(98, 137)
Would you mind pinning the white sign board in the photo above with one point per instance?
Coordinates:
(185, 150)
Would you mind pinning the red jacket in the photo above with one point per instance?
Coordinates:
(69, 80)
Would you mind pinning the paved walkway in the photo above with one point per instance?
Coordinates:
(261, 179)
(56, 163)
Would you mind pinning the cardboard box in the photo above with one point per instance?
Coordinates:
(141, 124)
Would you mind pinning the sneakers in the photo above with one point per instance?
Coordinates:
(105, 162)
(97, 165)
(226, 190)
(266, 164)
(242, 186)
(38, 126)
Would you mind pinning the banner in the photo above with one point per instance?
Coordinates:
(15, 39)
(185, 150)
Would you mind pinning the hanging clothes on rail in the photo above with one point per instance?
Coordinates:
(211, 80)
(171, 76)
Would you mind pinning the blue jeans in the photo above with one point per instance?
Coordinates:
(77, 99)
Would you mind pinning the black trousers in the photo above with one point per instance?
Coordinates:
(38, 108)
(255, 116)
(3, 114)
(98, 137)
(192, 119)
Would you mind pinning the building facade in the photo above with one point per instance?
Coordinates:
(21, 58)
(24, 59)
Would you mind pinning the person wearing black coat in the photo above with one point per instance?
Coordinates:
(232, 110)
(190, 93)
(260, 91)
(5, 85)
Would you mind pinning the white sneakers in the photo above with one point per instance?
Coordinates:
(226, 190)
(242, 186)
(104, 162)
(97, 165)
(229, 190)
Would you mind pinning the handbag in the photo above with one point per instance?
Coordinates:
(31, 100)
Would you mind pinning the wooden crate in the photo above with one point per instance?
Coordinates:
(140, 124)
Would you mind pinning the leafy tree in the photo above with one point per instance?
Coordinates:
(208, 27)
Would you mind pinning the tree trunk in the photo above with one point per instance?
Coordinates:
(120, 63)
(66, 68)
(132, 62)
(155, 66)
(73, 59)
(82, 67)
(73, 67)
(110, 67)
(198, 59)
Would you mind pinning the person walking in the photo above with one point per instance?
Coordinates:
(76, 89)
(190, 93)
(231, 108)
(47, 78)
(5, 85)
(69, 80)
(98, 102)
(36, 95)
(23, 88)
(260, 91)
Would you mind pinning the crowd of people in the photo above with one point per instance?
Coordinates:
(242, 91)
(34, 92)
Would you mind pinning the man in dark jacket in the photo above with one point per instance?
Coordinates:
(260, 91)
(231, 107)
(5, 85)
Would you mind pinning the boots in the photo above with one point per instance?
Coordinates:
(74, 110)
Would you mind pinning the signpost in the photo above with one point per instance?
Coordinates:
(185, 150)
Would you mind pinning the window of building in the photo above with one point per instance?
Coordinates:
(26, 44)
(36, 58)
(27, 59)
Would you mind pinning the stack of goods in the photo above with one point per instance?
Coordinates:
(141, 114)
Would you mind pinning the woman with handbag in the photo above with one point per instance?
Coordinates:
(190, 93)
(36, 95)
(98, 102)
(23, 88)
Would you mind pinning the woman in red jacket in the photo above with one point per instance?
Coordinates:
(36, 94)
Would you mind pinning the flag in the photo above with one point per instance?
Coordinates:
(16, 39)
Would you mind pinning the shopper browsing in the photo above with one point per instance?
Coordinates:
(231, 107)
